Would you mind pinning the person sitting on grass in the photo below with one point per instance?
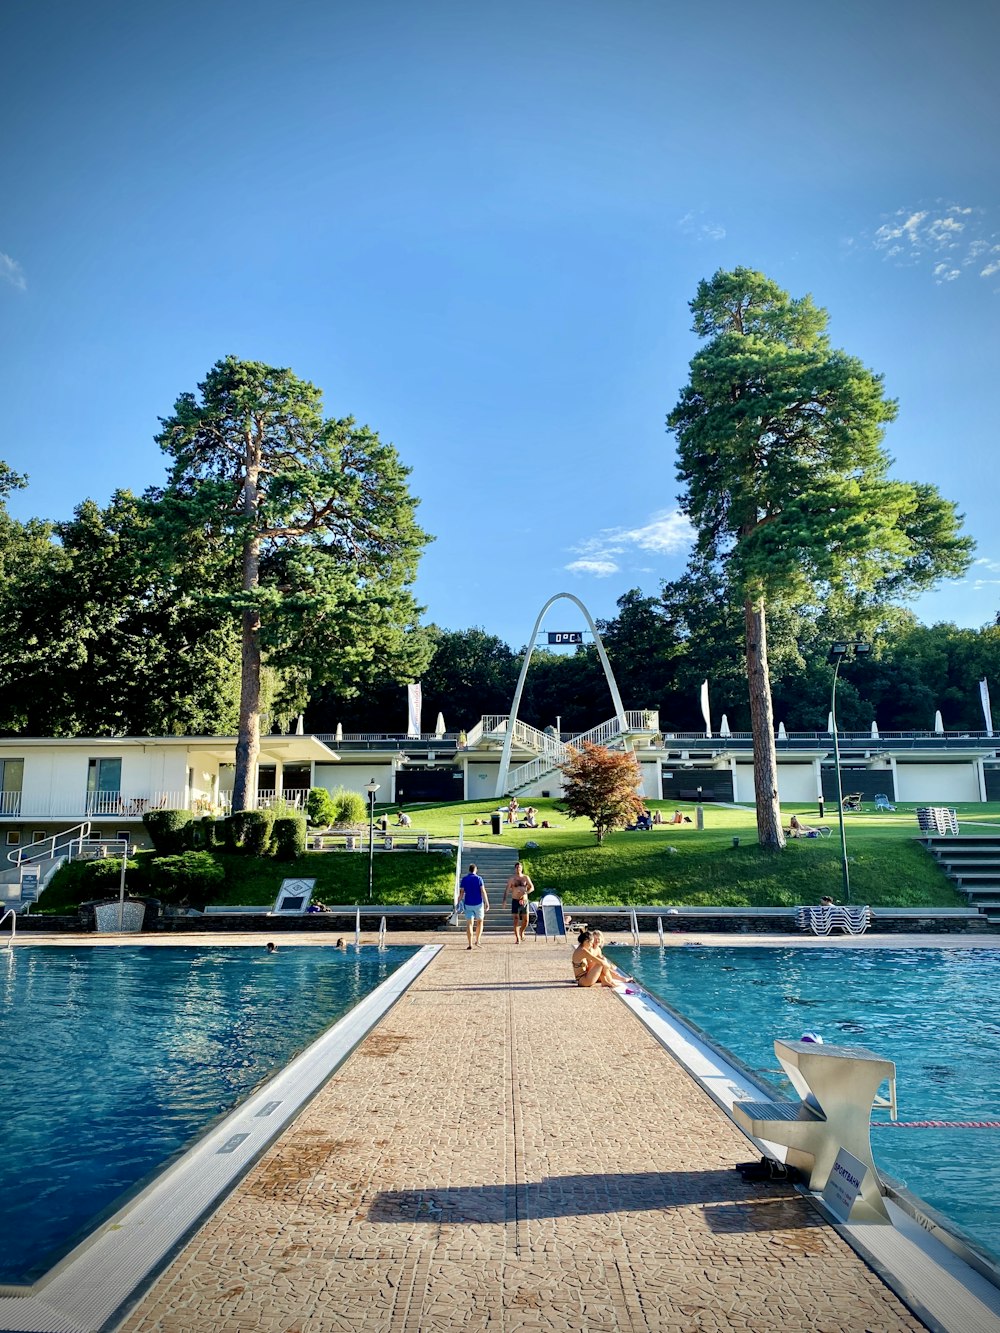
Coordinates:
(403, 820)
(589, 968)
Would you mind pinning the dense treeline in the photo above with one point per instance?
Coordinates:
(661, 649)
(102, 638)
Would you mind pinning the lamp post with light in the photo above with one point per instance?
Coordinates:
(372, 788)
(838, 651)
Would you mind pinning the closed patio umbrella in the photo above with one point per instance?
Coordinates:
(300, 725)
(829, 722)
(874, 730)
(782, 733)
(439, 728)
(724, 726)
(339, 733)
(938, 723)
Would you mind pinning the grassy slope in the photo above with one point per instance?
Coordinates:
(888, 866)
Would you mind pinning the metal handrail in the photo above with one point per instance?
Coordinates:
(13, 925)
(77, 833)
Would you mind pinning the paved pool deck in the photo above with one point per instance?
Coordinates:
(508, 1152)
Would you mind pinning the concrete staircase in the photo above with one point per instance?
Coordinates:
(495, 865)
(972, 862)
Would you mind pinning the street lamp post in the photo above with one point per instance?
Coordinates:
(371, 789)
(838, 651)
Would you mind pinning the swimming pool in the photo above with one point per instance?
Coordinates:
(933, 1011)
(115, 1060)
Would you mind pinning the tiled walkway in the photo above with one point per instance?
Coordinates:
(507, 1152)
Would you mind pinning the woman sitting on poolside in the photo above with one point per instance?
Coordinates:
(589, 968)
(597, 946)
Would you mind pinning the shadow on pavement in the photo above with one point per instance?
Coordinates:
(729, 1205)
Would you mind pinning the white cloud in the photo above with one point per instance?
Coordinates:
(12, 272)
(666, 533)
(917, 236)
(992, 565)
(945, 274)
(978, 584)
(701, 228)
(597, 568)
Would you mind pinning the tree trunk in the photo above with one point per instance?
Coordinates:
(248, 741)
(765, 755)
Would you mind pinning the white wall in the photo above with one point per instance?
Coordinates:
(481, 779)
(937, 783)
(796, 783)
(652, 780)
(356, 777)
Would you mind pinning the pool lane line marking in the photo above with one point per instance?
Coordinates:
(91, 1289)
(945, 1289)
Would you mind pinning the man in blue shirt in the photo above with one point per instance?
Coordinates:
(474, 902)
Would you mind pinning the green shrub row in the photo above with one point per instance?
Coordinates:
(247, 833)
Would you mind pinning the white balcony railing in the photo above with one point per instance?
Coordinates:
(10, 803)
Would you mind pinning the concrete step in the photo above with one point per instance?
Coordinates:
(983, 876)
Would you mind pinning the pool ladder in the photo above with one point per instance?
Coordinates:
(13, 925)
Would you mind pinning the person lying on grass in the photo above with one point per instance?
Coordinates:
(589, 968)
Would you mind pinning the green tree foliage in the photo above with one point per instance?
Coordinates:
(307, 528)
(786, 481)
(99, 639)
(602, 785)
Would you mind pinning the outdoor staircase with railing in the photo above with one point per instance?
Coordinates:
(972, 862)
(45, 856)
(556, 753)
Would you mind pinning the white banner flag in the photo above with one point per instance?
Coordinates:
(415, 704)
(704, 708)
(984, 694)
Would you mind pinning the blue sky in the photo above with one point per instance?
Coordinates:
(477, 228)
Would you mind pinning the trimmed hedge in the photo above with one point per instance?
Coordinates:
(249, 832)
(168, 830)
(289, 837)
(178, 879)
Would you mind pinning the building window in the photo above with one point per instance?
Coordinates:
(13, 837)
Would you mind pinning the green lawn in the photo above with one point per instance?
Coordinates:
(672, 865)
(888, 866)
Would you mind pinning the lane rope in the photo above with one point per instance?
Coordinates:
(935, 1124)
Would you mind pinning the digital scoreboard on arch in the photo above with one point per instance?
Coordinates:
(566, 636)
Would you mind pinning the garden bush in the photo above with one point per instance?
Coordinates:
(191, 875)
(105, 874)
(321, 808)
(168, 830)
(249, 832)
(289, 837)
(351, 809)
(212, 832)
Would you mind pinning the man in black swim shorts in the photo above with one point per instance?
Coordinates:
(518, 886)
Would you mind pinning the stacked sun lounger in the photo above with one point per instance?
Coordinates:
(937, 819)
(823, 920)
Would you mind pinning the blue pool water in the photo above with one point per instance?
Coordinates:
(935, 1012)
(114, 1060)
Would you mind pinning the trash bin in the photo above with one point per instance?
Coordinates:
(495, 823)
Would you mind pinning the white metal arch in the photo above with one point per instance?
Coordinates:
(616, 698)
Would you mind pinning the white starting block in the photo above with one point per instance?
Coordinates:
(838, 1086)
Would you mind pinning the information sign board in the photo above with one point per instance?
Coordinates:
(844, 1185)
